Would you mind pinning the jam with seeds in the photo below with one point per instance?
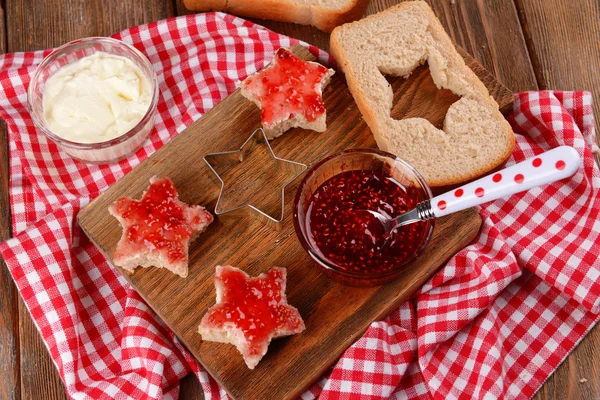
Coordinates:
(288, 87)
(157, 220)
(256, 306)
(355, 241)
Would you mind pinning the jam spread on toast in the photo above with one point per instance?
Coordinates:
(255, 306)
(288, 87)
(158, 222)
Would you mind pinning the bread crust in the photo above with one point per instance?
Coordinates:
(448, 71)
(285, 11)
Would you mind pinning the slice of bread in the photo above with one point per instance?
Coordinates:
(157, 229)
(475, 138)
(325, 15)
(250, 312)
(289, 93)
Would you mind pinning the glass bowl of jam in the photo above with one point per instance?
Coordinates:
(342, 239)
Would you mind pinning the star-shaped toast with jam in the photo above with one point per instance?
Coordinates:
(250, 312)
(289, 92)
(157, 229)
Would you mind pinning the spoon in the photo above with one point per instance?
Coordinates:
(559, 163)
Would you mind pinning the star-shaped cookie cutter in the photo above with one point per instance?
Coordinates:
(290, 168)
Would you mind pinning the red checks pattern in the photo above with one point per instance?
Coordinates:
(494, 322)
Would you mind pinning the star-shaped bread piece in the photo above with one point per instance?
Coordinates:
(157, 229)
(250, 312)
(289, 91)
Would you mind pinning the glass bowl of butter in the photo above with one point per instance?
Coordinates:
(95, 98)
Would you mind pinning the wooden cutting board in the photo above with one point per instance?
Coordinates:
(335, 315)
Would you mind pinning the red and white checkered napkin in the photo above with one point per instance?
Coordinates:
(495, 321)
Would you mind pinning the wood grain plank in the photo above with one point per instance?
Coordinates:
(33, 25)
(190, 388)
(10, 378)
(564, 45)
(490, 32)
(563, 42)
(39, 376)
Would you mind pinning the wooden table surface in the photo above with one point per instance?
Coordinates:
(527, 44)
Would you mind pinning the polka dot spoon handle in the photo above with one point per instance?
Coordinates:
(559, 163)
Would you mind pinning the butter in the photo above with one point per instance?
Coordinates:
(97, 98)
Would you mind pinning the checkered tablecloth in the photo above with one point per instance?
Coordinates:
(494, 322)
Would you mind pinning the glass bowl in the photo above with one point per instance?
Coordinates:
(101, 152)
(405, 176)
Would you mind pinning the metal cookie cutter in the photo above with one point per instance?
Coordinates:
(253, 180)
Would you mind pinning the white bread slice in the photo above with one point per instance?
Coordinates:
(228, 332)
(292, 119)
(325, 15)
(132, 254)
(475, 138)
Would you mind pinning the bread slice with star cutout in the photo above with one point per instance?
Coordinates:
(475, 138)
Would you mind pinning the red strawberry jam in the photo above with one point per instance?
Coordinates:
(159, 221)
(289, 86)
(354, 241)
(256, 308)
